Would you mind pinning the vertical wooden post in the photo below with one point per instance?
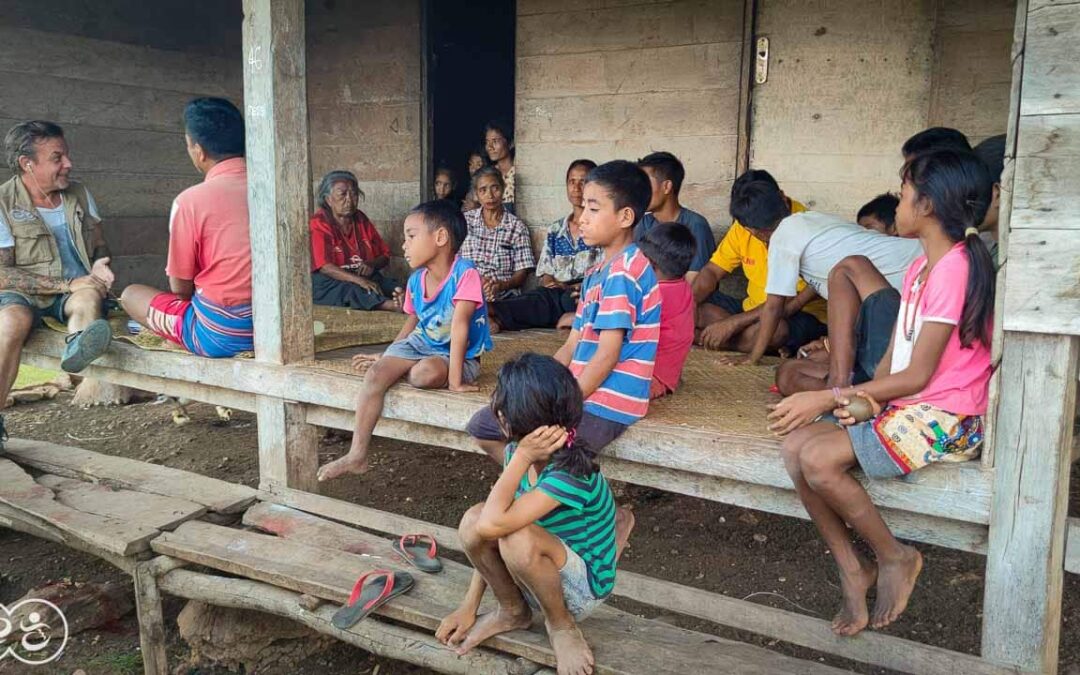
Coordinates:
(747, 61)
(151, 623)
(279, 199)
(1026, 548)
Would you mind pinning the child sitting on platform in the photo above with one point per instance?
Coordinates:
(445, 333)
(612, 345)
(879, 214)
(932, 384)
(545, 537)
(670, 247)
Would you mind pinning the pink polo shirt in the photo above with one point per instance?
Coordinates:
(208, 235)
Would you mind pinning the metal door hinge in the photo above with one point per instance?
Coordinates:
(761, 61)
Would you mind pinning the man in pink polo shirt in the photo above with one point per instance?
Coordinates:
(208, 310)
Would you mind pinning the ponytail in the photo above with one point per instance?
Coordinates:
(960, 187)
(576, 458)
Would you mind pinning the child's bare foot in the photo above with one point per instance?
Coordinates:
(624, 525)
(565, 322)
(350, 463)
(500, 621)
(572, 653)
(853, 616)
(896, 581)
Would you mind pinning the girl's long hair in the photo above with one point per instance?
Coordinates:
(534, 391)
(960, 187)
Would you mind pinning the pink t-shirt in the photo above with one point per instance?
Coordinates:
(960, 384)
(676, 331)
(470, 288)
(209, 237)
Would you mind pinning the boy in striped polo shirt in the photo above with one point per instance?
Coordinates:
(545, 537)
(612, 345)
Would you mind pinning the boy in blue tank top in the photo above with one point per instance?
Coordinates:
(446, 332)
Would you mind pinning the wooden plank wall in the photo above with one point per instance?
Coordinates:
(849, 81)
(1042, 290)
(609, 80)
(116, 79)
(364, 94)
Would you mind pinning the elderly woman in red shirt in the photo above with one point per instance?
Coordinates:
(347, 253)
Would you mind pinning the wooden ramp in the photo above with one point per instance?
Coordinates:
(311, 558)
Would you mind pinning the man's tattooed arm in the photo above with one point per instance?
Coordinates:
(14, 279)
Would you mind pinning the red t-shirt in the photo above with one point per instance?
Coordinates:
(676, 331)
(209, 235)
(329, 245)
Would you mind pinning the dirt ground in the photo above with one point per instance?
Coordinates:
(744, 554)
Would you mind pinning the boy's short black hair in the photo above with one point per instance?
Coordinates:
(751, 175)
(670, 247)
(667, 167)
(626, 183)
(759, 205)
(216, 125)
(586, 164)
(442, 213)
(992, 152)
(935, 138)
(882, 207)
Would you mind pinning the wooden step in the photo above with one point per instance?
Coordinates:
(150, 510)
(622, 643)
(26, 500)
(121, 472)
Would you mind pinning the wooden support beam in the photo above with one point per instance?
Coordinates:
(1026, 550)
(279, 198)
(378, 637)
(288, 445)
(151, 623)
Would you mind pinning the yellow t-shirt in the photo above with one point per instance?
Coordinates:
(740, 248)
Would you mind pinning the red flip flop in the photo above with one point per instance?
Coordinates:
(412, 549)
(366, 598)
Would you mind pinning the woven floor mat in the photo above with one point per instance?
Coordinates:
(712, 397)
(336, 327)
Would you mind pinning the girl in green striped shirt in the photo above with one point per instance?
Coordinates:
(545, 537)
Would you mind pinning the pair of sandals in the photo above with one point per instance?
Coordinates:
(377, 587)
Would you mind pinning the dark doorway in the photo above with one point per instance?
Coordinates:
(470, 79)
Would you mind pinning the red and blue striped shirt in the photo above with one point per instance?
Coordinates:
(620, 294)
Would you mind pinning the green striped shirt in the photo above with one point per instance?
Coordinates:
(584, 519)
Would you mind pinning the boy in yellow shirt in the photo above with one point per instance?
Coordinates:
(726, 324)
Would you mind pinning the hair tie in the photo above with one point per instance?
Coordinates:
(971, 232)
(570, 436)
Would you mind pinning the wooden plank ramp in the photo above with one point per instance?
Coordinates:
(622, 643)
(871, 647)
(29, 501)
(121, 472)
(156, 511)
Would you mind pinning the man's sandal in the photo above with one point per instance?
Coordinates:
(423, 556)
(381, 586)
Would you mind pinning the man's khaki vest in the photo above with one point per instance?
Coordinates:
(36, 249)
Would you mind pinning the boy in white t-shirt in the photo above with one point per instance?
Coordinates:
(835, 257)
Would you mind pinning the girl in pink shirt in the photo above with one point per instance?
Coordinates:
(928, 396)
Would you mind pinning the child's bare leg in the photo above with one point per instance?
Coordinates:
(857, 575)
(744, 341)
(379, 377)
(513, 612)
(624, 525)
(796, 375)
(535, 557)
(852, 279)
(825, 461)
(708, 313)
(429, 373)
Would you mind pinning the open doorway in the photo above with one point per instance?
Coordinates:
(470, 80)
